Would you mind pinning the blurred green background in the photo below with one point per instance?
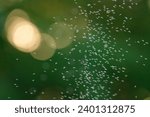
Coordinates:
(80, 73)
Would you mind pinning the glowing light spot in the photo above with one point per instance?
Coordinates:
(46, 50)
(62, 34)
(21, 33)
(18, 13)
(12, 16)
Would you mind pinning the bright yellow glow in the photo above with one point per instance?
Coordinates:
(12, 16)
(46, 50)
(21, 33)
(62, 34)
